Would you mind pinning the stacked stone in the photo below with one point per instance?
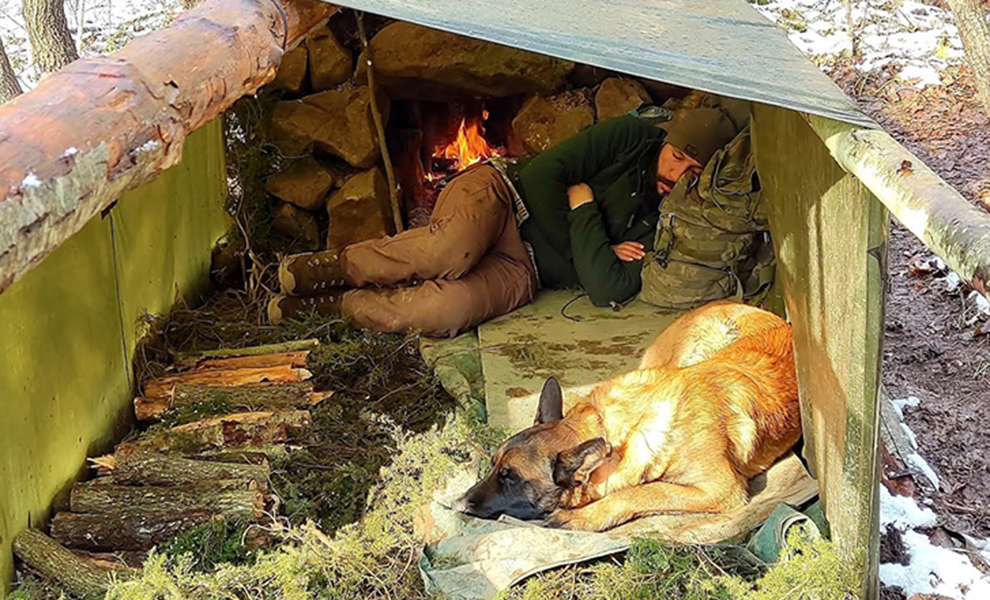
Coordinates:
(327, 136)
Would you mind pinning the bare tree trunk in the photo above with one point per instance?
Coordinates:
(9, 86)
(48, 31)
(975, 33)
(80, 25)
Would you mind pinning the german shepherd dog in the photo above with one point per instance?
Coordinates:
(712, 404)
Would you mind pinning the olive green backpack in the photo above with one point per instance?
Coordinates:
(712, 238)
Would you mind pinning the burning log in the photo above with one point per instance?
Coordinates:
(134, 466)
(123, 529)
(228, 431)
(248, 398)
(46, 556)
(233, 499)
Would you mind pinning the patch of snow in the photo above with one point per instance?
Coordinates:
(70, 151)
(921, 39)
(903, 513)
(935, 570)
(31, 181)
(910, 435)
(900, 403)
(149, 146)
(922, 465)
(980, 303)
(952, 282)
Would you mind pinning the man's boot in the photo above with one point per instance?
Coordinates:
(287, 307)
(310, 273)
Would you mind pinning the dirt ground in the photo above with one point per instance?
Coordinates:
(931, 351)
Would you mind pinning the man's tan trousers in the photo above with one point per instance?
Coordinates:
(469, 265)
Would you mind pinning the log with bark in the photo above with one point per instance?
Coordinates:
(228, 431)
(133, 466)
(242, 398)
(107, 124)
(233, 499)
(123, 529)
(161, 388)
(46, 556)
(123, 563)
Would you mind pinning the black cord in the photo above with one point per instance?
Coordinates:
(563, 310)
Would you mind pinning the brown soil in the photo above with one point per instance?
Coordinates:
(930, 352)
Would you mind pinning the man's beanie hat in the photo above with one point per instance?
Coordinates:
(701, 133)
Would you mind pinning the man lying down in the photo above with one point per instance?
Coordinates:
(581, 214)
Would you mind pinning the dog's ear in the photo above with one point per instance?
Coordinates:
(573, 466)
(551, 406)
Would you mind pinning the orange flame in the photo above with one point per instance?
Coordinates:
(469, 147)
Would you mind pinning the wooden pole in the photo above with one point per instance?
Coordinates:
(376, 115)
(930, 208)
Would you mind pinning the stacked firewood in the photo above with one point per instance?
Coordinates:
(253, 403)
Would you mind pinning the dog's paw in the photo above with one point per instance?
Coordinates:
(575, 520)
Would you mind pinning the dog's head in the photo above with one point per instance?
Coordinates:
(535, 467)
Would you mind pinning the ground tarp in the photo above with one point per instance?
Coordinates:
(720, 46)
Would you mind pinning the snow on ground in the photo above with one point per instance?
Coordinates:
(107, 26)
(931, 569)
(920, 39)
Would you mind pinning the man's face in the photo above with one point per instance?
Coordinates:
(671, 166)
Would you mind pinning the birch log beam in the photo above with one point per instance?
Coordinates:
(103, 125)
(954, 229)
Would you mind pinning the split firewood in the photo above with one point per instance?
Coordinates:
(55, 562)
(163, 386)
(133, 466)
(295, 359)
(228, 431)
(192, 359)
(123, 529)
(243, 398)
(233, 499)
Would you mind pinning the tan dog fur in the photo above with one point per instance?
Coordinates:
(713, 404)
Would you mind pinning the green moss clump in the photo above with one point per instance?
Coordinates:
(217, 542)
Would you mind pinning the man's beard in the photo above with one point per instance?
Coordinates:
(670, 184)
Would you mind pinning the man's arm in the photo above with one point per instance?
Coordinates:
(545, 180)
(603, 274)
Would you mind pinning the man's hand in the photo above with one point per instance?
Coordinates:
(579, 194)
(629, 251)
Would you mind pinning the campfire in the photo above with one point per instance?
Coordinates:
(468, 148)
(432, 141)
